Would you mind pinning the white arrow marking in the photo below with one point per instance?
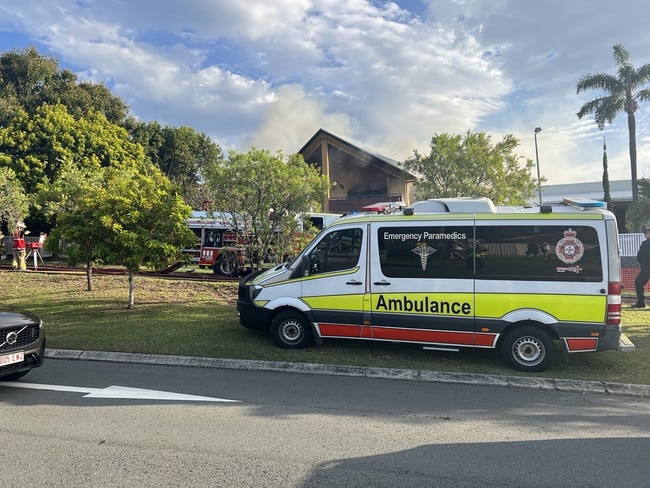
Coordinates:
(119, 392)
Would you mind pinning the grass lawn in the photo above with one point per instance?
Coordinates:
(198, 318)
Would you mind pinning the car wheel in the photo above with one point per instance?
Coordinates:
(528, 349)
(291, 330)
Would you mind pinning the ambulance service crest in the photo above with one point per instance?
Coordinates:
(569, 249)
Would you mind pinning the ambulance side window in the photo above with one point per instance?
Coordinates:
(427, 251)
(336, 251)
(539, 252)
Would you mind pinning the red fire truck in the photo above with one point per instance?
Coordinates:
(217, 245)
(220, 248)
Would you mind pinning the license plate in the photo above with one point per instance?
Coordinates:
(14, 357)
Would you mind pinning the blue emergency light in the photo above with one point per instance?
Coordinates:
(583, 202)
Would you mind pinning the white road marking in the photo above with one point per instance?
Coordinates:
(122, 392)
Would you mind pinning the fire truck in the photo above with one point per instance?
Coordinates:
(217, 245)
(220, 248)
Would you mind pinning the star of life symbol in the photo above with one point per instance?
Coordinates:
(424, 251)
(569, 249)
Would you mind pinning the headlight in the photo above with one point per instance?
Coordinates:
(255, 290)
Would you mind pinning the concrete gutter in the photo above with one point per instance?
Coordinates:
(525, 382)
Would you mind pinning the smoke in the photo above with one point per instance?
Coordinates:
(294, 118)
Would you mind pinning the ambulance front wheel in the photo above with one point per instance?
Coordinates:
(291, 330)
(528, 349)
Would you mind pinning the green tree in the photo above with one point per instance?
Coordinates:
(470, 165)
(639, 213)
(14, 204)
(124, 214)
(607, 197)
(262, 193)
(79, 231)
(621, 93)
(35, 146)
(28, 80)
(146, 219)
(183, 154)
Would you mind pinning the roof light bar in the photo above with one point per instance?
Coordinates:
(583, 202)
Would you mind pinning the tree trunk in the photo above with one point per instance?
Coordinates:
(631, 127)
(131, 291)
(89, 276)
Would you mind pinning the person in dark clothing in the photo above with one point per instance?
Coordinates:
(643, 257)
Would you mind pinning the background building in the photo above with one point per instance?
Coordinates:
(362, 177)
(620, 192)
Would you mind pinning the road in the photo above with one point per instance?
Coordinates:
(88, 423)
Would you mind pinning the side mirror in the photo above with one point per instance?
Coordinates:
(305, 265)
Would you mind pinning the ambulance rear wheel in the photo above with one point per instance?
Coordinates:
(528, 349)
(291, 330)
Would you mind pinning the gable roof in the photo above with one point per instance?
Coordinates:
(338, 145)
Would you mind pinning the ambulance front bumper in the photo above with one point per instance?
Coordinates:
(252, 317)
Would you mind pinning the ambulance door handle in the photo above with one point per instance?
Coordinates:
(353, 282)
(381, 283)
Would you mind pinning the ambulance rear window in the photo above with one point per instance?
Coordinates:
(539, 252)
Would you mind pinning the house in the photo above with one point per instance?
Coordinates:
(360, 177)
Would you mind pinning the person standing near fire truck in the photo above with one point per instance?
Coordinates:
(19, 256)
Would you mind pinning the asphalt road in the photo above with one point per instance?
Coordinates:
(102, 423)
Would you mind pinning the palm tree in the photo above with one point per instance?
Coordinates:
(623, 93)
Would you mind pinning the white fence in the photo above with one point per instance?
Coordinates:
(630, 243)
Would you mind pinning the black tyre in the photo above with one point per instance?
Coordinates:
(291, 330)
(227, 265)
(527, 349)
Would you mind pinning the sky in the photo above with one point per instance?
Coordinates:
(387, 76)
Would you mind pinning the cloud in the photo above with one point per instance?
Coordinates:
(388, 75)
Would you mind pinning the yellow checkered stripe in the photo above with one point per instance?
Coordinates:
(573, 308)
(348, 303)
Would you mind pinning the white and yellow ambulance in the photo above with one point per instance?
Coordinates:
(451, 273)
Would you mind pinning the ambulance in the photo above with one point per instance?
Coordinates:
(451, 273)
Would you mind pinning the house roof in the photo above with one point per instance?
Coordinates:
(343, 149)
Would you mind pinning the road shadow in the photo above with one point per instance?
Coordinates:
(583, 463)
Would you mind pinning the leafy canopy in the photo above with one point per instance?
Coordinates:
(263, 193)
(14, 204)
(470, 165)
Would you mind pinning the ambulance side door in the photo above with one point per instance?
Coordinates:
(336, 284)
(421, 281)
